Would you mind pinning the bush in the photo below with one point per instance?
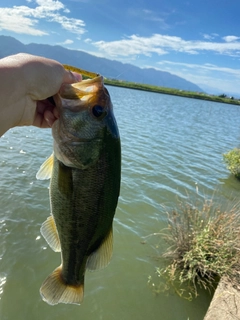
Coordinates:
(232, 160)
(204, 245)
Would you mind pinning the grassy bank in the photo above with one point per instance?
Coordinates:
(203, 246)
(176, 92)
(232, 160)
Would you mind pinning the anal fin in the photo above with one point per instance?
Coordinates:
(101, 257)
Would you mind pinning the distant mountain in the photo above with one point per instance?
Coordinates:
(108, 68)
(9, 45)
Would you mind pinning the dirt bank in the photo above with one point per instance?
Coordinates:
(225, 304)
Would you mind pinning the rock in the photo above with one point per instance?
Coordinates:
(225, 304)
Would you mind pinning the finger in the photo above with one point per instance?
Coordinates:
(44, 115)
(49, 118)
(71, 77)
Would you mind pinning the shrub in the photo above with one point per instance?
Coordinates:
(204, 245)
(232, 160)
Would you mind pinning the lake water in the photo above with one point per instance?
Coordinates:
(170, 146)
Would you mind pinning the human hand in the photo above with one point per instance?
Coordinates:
(45, 78)
(26, 83)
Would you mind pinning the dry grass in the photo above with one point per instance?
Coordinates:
(203, 245)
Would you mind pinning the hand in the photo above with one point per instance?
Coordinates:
(26, 81)
(45, 78)
(45, 114)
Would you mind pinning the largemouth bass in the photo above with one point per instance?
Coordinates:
(84, 188)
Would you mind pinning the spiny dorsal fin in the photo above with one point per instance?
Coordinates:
(101, 257)
(45, 170)
(54, 290)
(49, 232)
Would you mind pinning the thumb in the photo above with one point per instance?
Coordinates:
(71, 77)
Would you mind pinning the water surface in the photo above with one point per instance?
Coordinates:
(170, 145)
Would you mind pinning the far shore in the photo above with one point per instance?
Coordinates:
(175, 92)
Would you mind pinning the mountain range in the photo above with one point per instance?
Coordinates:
(108, 68)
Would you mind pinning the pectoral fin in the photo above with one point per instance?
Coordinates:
(45, 171)
(101, 257)
(49, 232)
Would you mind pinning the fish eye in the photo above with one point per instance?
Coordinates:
(98, 111)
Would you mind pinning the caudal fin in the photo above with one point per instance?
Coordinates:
(54, 290)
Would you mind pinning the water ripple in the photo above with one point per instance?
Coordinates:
(171, 147)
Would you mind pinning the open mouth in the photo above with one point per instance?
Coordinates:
(51, 100)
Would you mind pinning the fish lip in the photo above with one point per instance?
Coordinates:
(81, 95)
(83, 88)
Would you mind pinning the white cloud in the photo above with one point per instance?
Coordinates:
(206, 67)
(210, 36)
(130, 46)
(162, 44)
(153, 16)
(207, 74)
(149, 15)
(70, 24)
(14, 20)
(24, 19)
(49, 5)
(231, 38)
(68, 41)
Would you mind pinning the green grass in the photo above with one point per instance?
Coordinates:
(164, 90)
(203, 246)
(232, 160)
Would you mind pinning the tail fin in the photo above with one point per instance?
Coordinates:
(54, 290)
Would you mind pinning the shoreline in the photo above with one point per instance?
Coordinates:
(225, 303)
(170, 91)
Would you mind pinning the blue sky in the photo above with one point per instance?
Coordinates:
(197, 40)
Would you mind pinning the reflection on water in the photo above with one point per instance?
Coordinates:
(170, 146)
(3, 280)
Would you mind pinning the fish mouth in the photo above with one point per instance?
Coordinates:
(81, 95)
(82, 90)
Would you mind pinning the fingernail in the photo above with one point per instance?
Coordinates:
(77, 76)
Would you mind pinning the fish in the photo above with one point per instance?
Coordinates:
(85, 176)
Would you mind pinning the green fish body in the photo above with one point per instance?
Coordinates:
(84, 188)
